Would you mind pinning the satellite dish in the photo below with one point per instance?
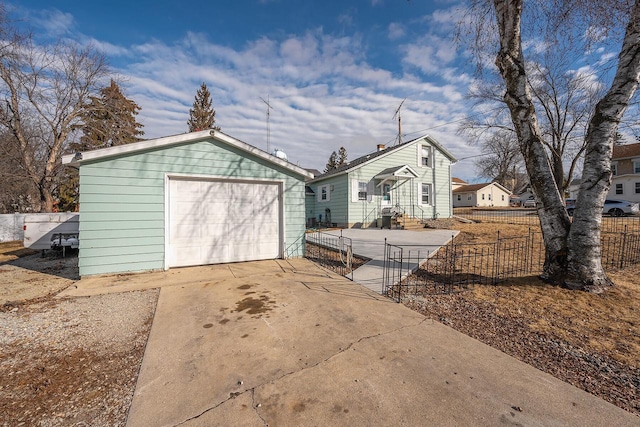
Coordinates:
(280, 154)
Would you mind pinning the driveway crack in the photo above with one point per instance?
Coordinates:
(286, 374)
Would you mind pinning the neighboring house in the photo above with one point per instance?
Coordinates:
(485, 194)
(625, 164)
(457, 182)
(190, 199)
(413, 178)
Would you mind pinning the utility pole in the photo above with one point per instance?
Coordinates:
(397, 113)
(269, 107)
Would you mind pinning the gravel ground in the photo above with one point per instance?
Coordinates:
(67, 362)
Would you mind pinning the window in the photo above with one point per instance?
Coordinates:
(503, 197)
(636, 167)
(619, 189)
(459, 197)
(469, 197)
(362, 190)
(425, 197)
(482, 196)
(489, 196)
(637, 187)
(614, 168)
(425, 156)
(323, 194)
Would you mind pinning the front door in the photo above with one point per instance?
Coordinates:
(386, 195)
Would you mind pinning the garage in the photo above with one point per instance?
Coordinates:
(191, 199)
(212, 222)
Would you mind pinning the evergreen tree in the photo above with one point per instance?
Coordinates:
(202, 116)
(332, 163)
(342, 157)
(109, 120)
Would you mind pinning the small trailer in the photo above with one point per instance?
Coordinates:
(52, 231)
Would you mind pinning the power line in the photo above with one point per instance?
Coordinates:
(446, 124)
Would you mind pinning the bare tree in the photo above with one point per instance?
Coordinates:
(44, 89)
(501, 159)
(572, 250)
(565, 97)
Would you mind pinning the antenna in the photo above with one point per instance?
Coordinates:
(397, 113)
(269, 107)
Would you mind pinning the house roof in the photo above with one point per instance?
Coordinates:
(470, 188)
(315, 172)
(360, 161)
(458, 180)
(625, 151)
(168, 141)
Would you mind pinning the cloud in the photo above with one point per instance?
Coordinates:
(324, 90)
(50, 22)
(396, 31)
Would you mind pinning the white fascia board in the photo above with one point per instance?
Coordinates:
(73, 160)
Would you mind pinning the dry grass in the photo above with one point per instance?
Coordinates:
(10, 251)
(606, 323)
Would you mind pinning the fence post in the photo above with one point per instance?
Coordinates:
(385, 267)
(622, 247)
(496, 273)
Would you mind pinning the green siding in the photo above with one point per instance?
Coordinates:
(122, 219)
(336, 205)
(405, 193)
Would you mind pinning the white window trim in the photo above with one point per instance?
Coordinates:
(636, 165)
(430, 156)
(621, 188)
(355, 190)
(327, 188)
(431, 195)
(614, 168)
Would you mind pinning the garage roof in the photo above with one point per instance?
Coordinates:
(79, 158)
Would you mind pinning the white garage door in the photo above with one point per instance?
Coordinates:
(213, 222)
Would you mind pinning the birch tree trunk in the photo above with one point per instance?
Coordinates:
(584, 256)
(554, 220)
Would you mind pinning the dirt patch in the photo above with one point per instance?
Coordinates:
(27, 275)
(590, 341)
(66, 361)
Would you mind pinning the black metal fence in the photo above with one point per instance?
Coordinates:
(529, 217)
(456, 266)
(330, 251)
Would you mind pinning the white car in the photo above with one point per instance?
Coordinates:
(620, 207)
(531, 203)
(611, 207)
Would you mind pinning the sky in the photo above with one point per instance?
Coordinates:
(334, 72)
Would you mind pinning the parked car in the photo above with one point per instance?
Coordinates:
(620, 207)
(611, 207)
(530, 203)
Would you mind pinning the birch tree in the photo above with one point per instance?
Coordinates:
(572, 250)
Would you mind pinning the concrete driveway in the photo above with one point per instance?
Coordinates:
(285, 343)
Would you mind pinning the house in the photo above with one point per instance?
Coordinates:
(457, 182)
(625, 165)
(484, 194)
(190, 199)
(412, 178)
